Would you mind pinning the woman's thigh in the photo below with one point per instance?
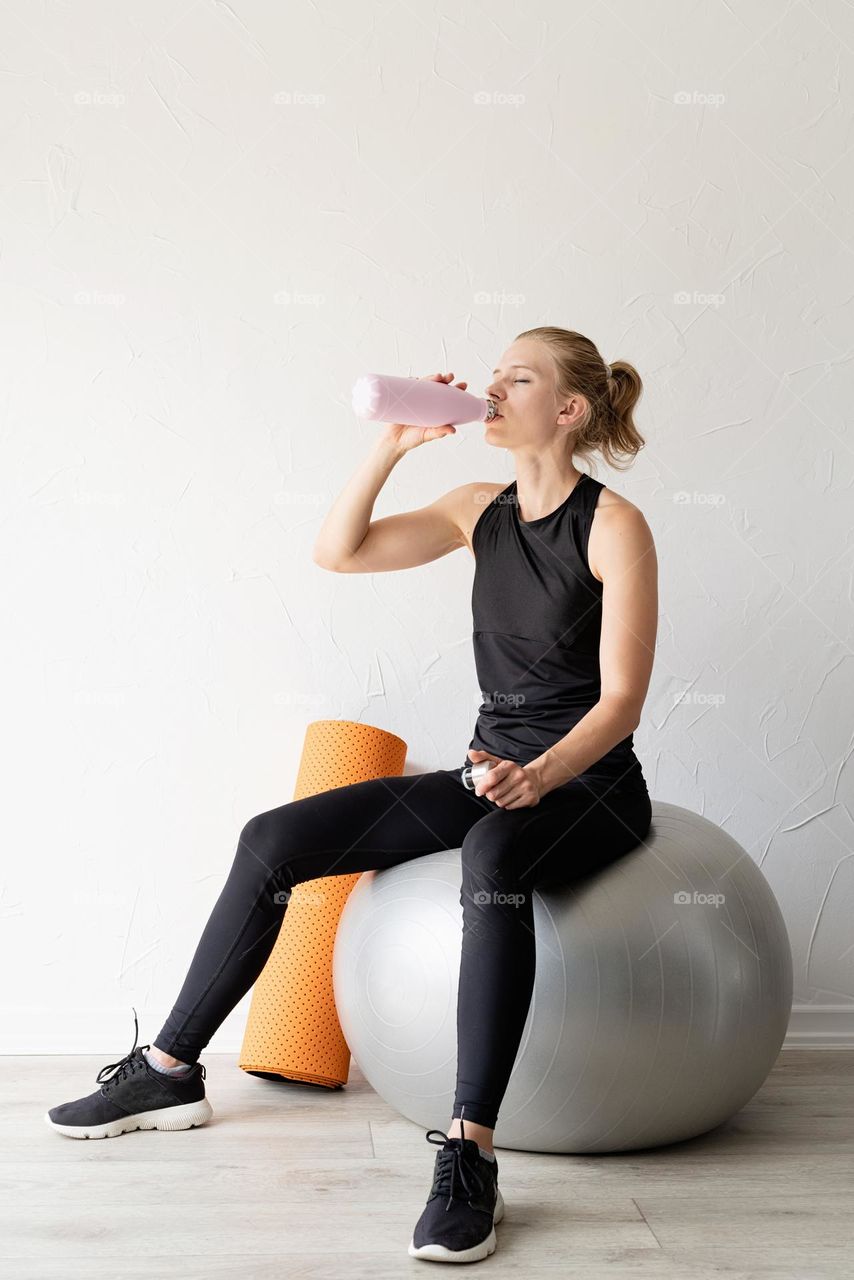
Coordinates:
(573, 831)
(364, 826)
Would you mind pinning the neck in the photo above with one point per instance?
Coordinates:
(543, 480)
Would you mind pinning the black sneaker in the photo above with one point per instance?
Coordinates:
(457, 1224)
(135, 1096)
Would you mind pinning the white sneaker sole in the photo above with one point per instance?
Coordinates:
(438, 1252)
(188, 1116)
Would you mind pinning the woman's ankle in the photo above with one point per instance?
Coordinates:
(165, 1059)
(481, 1135)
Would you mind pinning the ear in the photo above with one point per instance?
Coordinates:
(571, 412)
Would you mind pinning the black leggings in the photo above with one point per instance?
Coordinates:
(575, 829)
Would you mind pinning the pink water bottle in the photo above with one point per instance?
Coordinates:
(417, 402)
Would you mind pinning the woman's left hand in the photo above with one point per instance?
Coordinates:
(508, 785)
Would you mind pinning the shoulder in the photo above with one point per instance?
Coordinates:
(619, 535)
(468, 502)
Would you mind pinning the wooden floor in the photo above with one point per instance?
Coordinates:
(289, 1181)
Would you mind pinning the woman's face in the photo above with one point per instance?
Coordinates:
(523, 387)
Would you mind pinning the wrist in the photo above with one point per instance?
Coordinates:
(536, 768)
(549, 772)
(388, 451)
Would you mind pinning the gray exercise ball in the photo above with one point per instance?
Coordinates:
(662, 993)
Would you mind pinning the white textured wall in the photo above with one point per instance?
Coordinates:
(214, 217)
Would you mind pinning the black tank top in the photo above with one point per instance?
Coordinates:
(537, 618)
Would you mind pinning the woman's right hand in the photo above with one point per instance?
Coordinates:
(404, 437)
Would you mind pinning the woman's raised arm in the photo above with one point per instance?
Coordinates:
(350, 542)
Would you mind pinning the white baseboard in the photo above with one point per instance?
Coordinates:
(106, 1032)
(820, 1026)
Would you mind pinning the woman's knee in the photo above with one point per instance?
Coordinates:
(487, 852)
(495, 902)
(491, 882)
(265, 842)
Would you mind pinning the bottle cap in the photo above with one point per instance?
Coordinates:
(365, 398)
(471, 774)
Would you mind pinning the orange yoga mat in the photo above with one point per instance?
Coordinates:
(293, 1032)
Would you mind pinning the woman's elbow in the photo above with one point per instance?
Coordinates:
(325, 560)
(626, 709)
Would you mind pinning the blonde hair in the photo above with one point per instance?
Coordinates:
(611, 393)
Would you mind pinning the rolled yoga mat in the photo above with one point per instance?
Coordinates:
(292, 1031)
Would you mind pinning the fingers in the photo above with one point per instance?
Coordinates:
(517, 799)
(489, 783)
(509, 799)
(506, 785)
(504, 795)
(441, 377)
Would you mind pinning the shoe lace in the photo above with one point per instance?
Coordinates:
(453, 1165)
(131, 1062)
(126, 1065)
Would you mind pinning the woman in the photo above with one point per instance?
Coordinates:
(565, 611)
